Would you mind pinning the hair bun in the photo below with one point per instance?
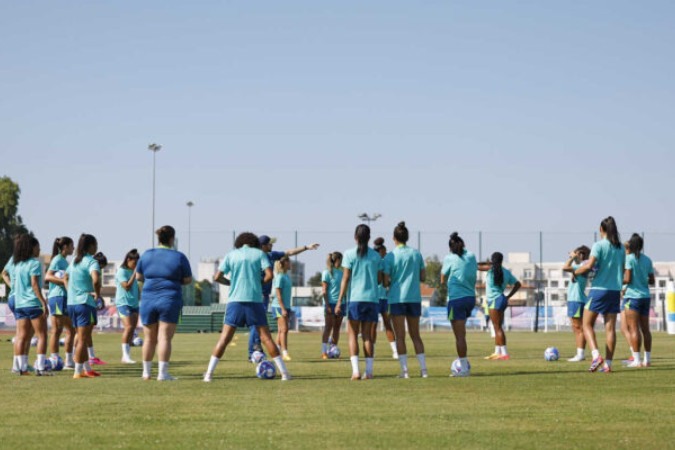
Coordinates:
(454, 235)
(401, 224)
(379, 241)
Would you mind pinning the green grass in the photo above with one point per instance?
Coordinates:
(522, 403)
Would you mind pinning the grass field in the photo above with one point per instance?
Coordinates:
(522, 403)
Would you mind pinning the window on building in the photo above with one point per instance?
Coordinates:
(555, 297)
(527, 274)
(554, 283)
(567, 283)
(662, 283)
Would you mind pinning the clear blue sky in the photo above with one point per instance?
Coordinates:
(277, 116)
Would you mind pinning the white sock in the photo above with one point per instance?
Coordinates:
(90, 350)
(147, 368)
(393, 347)
(369, 365)
(79, 368)
(636, 357)
(595, 353)
(608, 362)
(503, 351)
(403, 361)
(69, 359)
(213, 362)
(54, 356)
(87, 367)
(464, 363)
(648, 357)
(24, 363)
(632, 350)
(40, 362)
(281, 366)
(125, 351)
(17, 363)
(580, 352)
(355, 364)
(163, 368)
(423, 361)
(284, 353)
(497, 350)
(324, 347)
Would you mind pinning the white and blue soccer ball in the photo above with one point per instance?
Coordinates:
(62, 342)
(137, 341)
(456, 369)
(56, 363)
(48, 364)
(33, 341)
(551, 354)
(59, 274)
(266, 370)
(257, 357)
(334, 352)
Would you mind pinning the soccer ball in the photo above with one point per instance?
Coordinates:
(551, 354)
(57, 363)
(137, 341)
(62, 342)
(456, 369)
(33, 341)
(257, 357)
(266, 370)
(59, 274)
(48, 364)
(334, 352)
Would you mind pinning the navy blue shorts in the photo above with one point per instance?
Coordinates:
(575, 310)
(500, 303)
(163, 310)
(58, 306)
(331, 309)
(245, 314)
(383, 306)
(363, 311)
(604, 302)
(126, 310)
(11, 303)
(405, 309)
(641, 305)
(461, 308)
(82, 315)
(30, 313)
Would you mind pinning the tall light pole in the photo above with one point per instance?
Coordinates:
(189, 204)
(366, 218)
(154, 148)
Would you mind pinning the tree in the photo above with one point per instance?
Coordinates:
(433, 280)
(315, 280)
(11, 224)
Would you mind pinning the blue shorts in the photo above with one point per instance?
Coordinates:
(604, 302)
(278, 313)
(126, 310)
(405, 309)
(461, 308)
(11, 303)
(246, 314)
(331, 308)
(82, 315)
(641, 305)
(162, 310)
(500, 303)
(575, 310)
(58, 306)
(363, 311)
(30, 313)
(383, 307)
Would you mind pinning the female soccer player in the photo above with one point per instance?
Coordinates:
(383, 308)
(497, 280)
(83, 277)
(459, 272)
(404, 271)
(8, 276)
(126, 301)
(57, 299)
(331, 279)
(362, 272)
(164, 271)
(245, 305)
(605, 296)
(638, 275)
(281, 304)
(576, 298)
(30, 309)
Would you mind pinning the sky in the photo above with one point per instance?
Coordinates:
(508, 117)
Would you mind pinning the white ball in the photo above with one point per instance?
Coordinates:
(257, 357)
(14, 340)
(34, 341)
(59, 274)
(551, 354)
(266, 370)
(456, 369)
(137, 341)
(334, 352)
(62, 342)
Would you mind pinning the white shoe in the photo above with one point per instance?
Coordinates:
(424, 374)
(71, 367)
(128, 361)
(208, 377)
(394, 355)
(404, 375)
(577, 358)
(286, 377)
(166, 377)
(634, 365)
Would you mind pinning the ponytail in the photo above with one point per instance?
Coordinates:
(635, 245)
(362, 236)
(497, 271)
(608, 226)
(85, 242)
(59, 244)
(456, 244)
(331, 260)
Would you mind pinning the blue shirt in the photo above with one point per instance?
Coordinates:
(271, 258)
(576, 292)
(364, 272)
(610, 263)
(163, 270)
(9, 268)
(122, 296)
(333, 279)
(282, 281)
(404, 265)
(243, 265)
(58, 263)
(23, 278)
(493, 291)
(461, 275)
(640, 269)
(80, 282)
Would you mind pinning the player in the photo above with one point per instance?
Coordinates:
(331, 279)
(57, 298)
(383, 308)
(576, 298)
(126, 301)
(281, 304)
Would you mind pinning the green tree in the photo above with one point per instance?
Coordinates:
(433, 280)
(314, 280)
(11, 224)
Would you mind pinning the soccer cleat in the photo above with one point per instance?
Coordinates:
(286, 377)
(92, 373)
(30, 368)
(43, 373)
(493, 356)
(23, 373)
(606, 369)
(324, 356)
(504, 357)
(424, 373)
(77, 376)
(146, 377)
(646, 363)
(166, 377)
(577, 358)
(634, 364)
(367, 376)
(208, 377)
(97, 362)
(596, 363)
(69, 367)
(356, 377)
(394, 355)
(286, 358)
(128, 361)
(404, 375)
